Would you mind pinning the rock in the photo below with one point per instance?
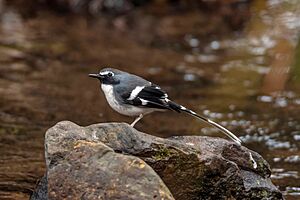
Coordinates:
(192, 167)
(41, 192)
(82, 169)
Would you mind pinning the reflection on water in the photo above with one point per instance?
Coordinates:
(244, 80)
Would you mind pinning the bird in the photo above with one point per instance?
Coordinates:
(132, 95)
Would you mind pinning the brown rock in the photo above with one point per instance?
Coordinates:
(82, 169)
(193, 167)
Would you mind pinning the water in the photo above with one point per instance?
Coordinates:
(247, 80)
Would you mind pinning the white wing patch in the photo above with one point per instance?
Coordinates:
(144, 102)
(135, 92)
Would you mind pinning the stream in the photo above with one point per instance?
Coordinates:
(243, 75)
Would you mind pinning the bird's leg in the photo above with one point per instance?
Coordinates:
(136, 120)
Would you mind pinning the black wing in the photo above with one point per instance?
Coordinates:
(150, 97)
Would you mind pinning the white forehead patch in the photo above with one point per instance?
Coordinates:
(106, 72)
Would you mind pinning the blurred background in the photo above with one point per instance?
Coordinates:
(234, 61)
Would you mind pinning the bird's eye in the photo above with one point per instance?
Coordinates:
(110, 74)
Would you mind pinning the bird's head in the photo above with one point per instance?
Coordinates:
(108, 76)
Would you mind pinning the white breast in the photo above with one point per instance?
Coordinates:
(121, 108)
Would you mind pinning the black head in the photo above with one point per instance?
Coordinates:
(108, 76)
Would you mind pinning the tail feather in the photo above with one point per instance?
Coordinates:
(178, 108)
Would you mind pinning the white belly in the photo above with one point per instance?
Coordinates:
(122, 109)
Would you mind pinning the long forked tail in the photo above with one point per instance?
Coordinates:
(179, 108)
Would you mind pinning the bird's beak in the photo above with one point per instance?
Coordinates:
(98, 76)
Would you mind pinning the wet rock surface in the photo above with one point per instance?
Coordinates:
(81, 159)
